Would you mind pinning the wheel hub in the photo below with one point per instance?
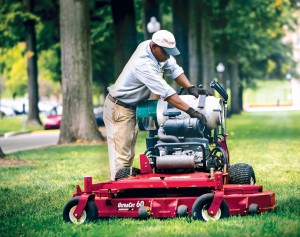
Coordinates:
(76, 220)
(207, 216)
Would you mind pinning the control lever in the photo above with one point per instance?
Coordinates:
(215, 85)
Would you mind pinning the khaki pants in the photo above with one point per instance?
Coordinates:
(121, 131)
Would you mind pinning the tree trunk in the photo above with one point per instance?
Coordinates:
(124, 32)
(241, 100)
(32, 68)
(207, 50)
(222, 45)
(150, 9)
(78, 120)
(2, 155)
(234, 88)
(180, 22)
(194, 42)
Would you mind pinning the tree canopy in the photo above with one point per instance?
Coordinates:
(246, 36)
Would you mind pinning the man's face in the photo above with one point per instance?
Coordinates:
(160, 54)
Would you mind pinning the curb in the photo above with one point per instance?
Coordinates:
(14, 133)
(10, 134)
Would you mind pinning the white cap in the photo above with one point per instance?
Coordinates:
(166, 40)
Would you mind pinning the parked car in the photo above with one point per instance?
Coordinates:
(6, 111)
(53, 120)
(20, 105)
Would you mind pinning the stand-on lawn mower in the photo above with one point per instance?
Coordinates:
(185, 171)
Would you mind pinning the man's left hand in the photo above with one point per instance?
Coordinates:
(192, 90)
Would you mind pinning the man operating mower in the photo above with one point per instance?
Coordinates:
(141, 76)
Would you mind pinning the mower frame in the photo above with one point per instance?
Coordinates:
(201, 195)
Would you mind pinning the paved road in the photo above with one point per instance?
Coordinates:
(295, 86)
(29, 141)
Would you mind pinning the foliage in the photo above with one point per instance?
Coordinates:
(12, 17)
(33, 195)
(102, 46)
(253, 32)
(12, 58)
(255, 36)
(14, 69)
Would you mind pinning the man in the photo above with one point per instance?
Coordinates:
(142, 76)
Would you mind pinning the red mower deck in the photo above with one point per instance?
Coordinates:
(169, 196)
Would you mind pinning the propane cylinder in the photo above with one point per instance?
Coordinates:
(150, 113)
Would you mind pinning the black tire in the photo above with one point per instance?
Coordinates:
(90, 212)
(182, 211)
(143, 213)
(253, 209)
(202, 204)
(241, 173)
(126, 172)
(217, 159)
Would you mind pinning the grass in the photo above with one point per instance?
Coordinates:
(269, 93)
(32, 196)
(16, 124)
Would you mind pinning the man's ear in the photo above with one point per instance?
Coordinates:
(153, 45)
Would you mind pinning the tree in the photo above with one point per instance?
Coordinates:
(124, 32)
(102, 46)
(180, 22)
(194, 42)
(32, 69)
(150, 9)
(220, 39)
(2, 154)
(17, 25)
(207, 48)
(78, 121)
(249, 40)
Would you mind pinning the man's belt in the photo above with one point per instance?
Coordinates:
(118, 102)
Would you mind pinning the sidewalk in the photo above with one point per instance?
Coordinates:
(295, 86)
(272, 108)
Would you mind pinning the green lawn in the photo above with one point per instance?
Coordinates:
(268, 93)
(32, 196)
(16, 124)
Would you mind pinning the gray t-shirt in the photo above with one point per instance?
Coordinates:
(143, 75)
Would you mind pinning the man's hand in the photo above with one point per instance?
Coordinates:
(192, 90)
(195, 114)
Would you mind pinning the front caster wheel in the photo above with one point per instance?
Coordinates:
(90, 212)
(201, 206)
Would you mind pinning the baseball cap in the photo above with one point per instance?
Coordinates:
(166, 40)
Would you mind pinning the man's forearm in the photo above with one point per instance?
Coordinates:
(183, 81)
(177, 102)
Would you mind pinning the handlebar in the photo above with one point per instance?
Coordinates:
(215, 85)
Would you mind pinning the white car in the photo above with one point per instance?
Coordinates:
(6, 111)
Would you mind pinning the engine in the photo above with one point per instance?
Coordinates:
(178, 143)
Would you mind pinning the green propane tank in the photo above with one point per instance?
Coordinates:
(146, 115)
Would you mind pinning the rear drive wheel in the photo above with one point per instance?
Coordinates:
(126, 172)
(241, 173)
(90, 212)
(201, 206)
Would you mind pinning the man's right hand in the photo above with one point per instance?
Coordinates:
(195, 114)
(192, 90)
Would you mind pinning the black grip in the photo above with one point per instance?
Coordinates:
(215, 85)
